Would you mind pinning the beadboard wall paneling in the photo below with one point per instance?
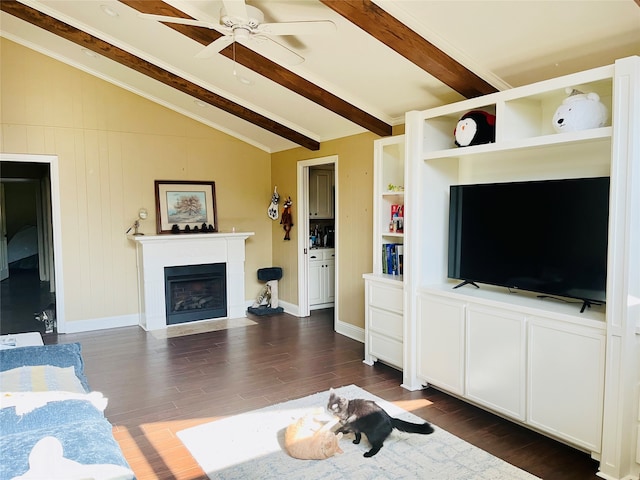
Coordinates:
(112, 145)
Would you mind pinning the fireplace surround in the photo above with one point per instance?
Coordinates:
(155, 252)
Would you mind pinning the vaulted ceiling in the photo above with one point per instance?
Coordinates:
(376, 61)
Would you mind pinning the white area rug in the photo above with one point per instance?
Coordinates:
(200, 327)
(250, 446)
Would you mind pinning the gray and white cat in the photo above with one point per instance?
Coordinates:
(48, 317)
(365, 416)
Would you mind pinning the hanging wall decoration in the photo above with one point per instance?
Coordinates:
(272, 211)
(287, 218)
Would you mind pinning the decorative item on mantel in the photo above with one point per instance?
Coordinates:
(204, 228)
(142, 215)
(186, 206)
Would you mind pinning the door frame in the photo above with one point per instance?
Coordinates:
(56, 225)
(303, 237)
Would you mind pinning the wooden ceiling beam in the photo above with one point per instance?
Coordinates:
(265, 67)
(116, 54)
(400, 38)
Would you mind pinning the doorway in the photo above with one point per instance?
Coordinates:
(303, 175)
(31, 249)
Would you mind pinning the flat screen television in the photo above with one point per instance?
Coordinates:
(547, 236)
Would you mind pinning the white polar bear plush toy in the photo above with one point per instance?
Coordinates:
(579, 111)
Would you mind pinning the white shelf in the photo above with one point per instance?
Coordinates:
(554, 141)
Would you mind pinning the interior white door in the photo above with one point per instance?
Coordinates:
(304, 303)
(4, 255)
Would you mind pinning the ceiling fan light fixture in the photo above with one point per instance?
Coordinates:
(241, 34)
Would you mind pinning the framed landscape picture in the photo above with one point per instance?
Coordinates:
(184, 203)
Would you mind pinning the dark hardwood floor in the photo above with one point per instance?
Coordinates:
(158, 387)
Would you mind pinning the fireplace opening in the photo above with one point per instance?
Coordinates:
(195, 292)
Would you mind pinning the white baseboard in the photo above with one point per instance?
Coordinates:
(351, 331)
(104, 323)
(290, 308)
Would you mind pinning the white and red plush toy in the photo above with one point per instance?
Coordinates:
(475, 128)
(579, 111)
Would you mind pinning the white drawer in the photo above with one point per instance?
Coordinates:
(386, 349)
(322, 254)
(386, 297)
(385, 323)
(329, 254)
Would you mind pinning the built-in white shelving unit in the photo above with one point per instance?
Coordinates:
(384, 292)
(574, 376)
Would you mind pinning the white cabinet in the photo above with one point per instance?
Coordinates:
(384, 290)
(440, 350)
(496, 359)
(383, 322)
(531, 366)
(322, 272)
(566, 381)
(320, 194)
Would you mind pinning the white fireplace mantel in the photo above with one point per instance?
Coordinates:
(154, 252)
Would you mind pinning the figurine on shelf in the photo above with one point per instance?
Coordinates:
(175, 229)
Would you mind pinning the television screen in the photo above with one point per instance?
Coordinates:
(545, 236)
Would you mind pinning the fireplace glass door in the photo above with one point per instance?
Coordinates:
(195, 292)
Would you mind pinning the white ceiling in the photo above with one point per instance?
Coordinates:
(507, 43)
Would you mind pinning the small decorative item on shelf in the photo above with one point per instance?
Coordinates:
(579, 111)
(175, 229)
(211, 229)
(397, 219)
(395, 188)
(475, 128)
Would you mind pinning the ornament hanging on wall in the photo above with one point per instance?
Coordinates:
(287, 218)
(272, 211)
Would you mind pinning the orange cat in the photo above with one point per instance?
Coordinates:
(308, 439)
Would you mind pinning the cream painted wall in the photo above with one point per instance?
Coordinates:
(355, 220)
(112, 145)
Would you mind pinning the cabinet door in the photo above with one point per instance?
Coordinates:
(329, 280)
(566, 381)
(440, 333)
(496, 359)
(315, 282)
(320, 194)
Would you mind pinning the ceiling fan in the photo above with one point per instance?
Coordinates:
(242, 23)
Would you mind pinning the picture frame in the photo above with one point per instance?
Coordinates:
(185, 204)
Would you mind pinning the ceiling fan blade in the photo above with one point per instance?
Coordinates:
(236, 9)
(273, 50)
(214, 47)
(181, 21)
(298, 28)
